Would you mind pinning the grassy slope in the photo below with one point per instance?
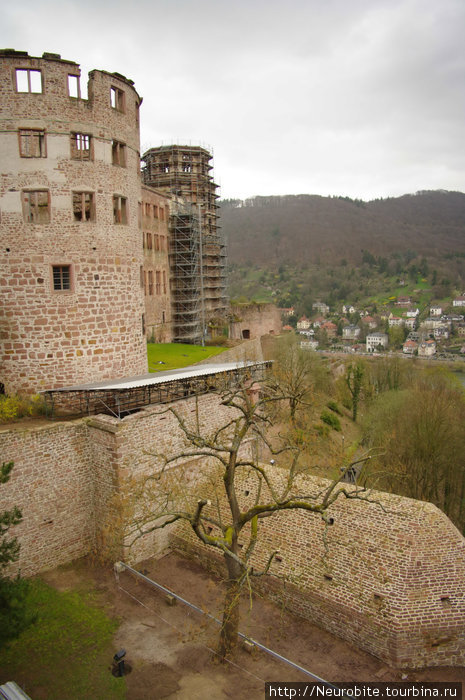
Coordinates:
(67, 652)
(173, 355)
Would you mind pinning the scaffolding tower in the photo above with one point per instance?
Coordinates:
(184, 171)
(185, 265)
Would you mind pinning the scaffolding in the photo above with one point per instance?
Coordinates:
(185, 265)
(184, 171)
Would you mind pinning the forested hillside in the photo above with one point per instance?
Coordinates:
(306, 229)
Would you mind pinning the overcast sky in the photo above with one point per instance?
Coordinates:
(364, 98)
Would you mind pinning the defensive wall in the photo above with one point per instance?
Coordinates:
(250, 321)
(388, 576)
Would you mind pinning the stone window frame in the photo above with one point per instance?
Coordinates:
(83, 194)
(117, 99)
(150, 285)
(32, 212)
(164, 281)
(81, 146)
(30, 86)
(70, 84)
(120, 210)
(157, 283)
(62, 278)
(118, 153)
(32, 143)
(149, 240)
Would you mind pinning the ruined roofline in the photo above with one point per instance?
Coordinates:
(46, 56)
(56, 57)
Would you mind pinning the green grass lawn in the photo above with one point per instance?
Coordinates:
(67, 652)
(163, 356)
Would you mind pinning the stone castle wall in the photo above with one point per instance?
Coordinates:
(71, 268)
(254, 320)
(390, 579)
(387, 575)
(154, 225)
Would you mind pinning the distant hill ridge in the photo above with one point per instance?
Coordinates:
(310, 228)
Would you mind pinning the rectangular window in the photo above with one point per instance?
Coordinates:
(61, 278)
(157, 242)
(117, 99)
(84, 206)
(162, 243)
(164, 282)
(150, 283)
(32, 143)
(157, 282)
(36, 206)
(155, 211)
(74, 86)
(81, 146)
(28, 80)
(145, 283)
(141, 271)
(120, 210)
(139, 214)
(149, 241)
(147, 209)
(118, 153)
(162, 213)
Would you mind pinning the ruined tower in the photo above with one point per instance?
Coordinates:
(72, 299)
(185, 171)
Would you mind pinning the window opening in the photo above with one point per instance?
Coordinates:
(149, 241)
(83, 206)
(80, 146)
(157, 282)
(32, 143)
(117, 99)
(150, 282)
(36, 207)
(28, 80)
(120, 213)
(74, 86)
(118, 153)
(164, 282)
(61, 278)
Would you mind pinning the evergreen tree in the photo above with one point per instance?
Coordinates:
(13, 615)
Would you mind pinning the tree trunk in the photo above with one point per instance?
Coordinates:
(231, 611)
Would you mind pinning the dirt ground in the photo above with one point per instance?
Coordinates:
(171, 647)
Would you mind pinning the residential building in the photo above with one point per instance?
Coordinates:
(376, 341)
(427, 348)
(303, 323)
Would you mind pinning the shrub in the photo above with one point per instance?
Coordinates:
(321, 429)
(331, 420)
(332, 405)
(14, 407)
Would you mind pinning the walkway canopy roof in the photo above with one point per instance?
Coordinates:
(121, 397)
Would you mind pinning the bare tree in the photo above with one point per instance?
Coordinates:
(221, 523)
(354, 381)
(297, 374)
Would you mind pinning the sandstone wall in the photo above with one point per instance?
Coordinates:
(388, 575)
(254, 320)
(53, 484)
(91, 327)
